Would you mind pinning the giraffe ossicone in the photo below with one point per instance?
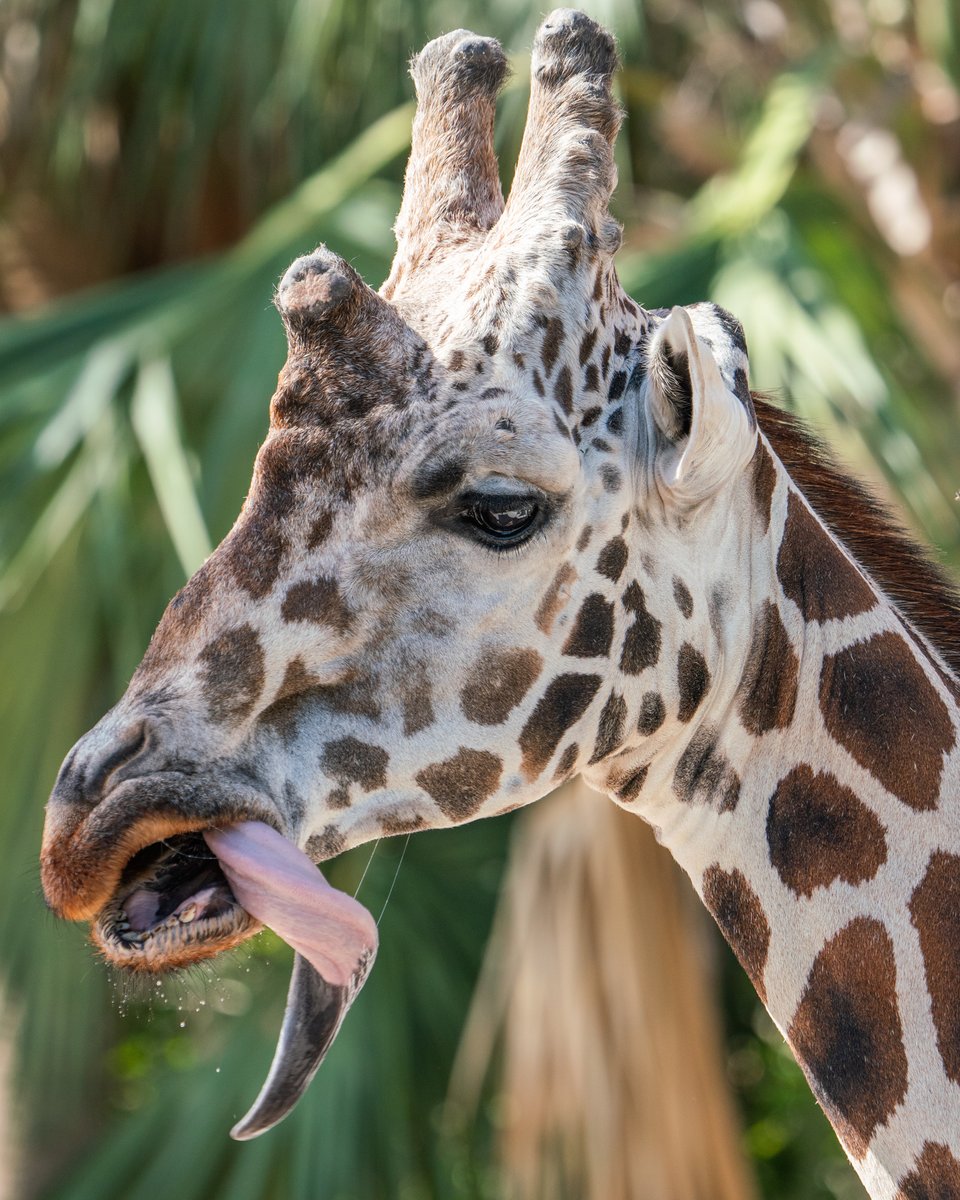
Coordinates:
(506, 527)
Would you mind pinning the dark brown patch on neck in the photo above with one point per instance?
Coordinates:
(769, 694)
(704, 775)
(819, 831)
(567, 761)
(627, 785)
(737, 910)
(693, 679)
(641, 642)
(935, 1175)
(681, 594)
(552, 341)
(764, 483)
(879, 705)
(846, 1032)
(611, 727)
(814, 572)
(935, 911)
(919, 587)
(653, 713)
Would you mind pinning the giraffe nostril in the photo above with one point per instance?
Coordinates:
(98, 773)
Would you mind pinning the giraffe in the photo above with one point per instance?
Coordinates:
(508, 527)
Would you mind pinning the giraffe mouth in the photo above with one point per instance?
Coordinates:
(172, 906)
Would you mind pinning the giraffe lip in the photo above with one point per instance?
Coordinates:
(86, 852)
(173, 906)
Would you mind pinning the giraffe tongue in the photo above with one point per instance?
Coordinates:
(335, 940)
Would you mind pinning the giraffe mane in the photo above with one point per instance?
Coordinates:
(917, 585)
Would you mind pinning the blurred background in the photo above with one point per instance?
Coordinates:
(161, 162)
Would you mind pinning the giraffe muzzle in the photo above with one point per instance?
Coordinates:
(136, 867)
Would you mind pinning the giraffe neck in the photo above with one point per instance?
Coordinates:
(814, 799)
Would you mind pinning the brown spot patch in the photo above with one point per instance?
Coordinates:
(253, 553)
(497, 683)
(846, 1032)
(815, 573)
(398, 820)
(764, 483)
(610, 729)
(935, 1175)
(326, 844)
(320, 530)
(627, 785)
(567, 761)
(737, 910)
(283, 710)
(563, 703)
(296, 679)
(459, 785)
(653, 713)
(348, 760)
(612, 559)
(641, 643)
(879, 705)
(552, 341)
(592, 631)
(935, 911)
(437, 478)
(317, 600)
(770, 678)
(232, 673)
(555, 597)
(693, 679)
(703, 774)
(681, 594)
(417, 702)
(180, 623)
(611, 478)
(587, 344)
(563, 390)
(357, 696)
(819, 831)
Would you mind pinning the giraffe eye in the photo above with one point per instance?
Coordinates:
(503, 520)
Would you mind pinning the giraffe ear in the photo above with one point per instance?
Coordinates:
(703, 416)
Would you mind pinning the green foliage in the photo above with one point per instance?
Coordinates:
(162, 130)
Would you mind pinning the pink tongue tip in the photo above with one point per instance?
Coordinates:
(280, 886)
(335, 939)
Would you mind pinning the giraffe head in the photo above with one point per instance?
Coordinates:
(472, 559)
